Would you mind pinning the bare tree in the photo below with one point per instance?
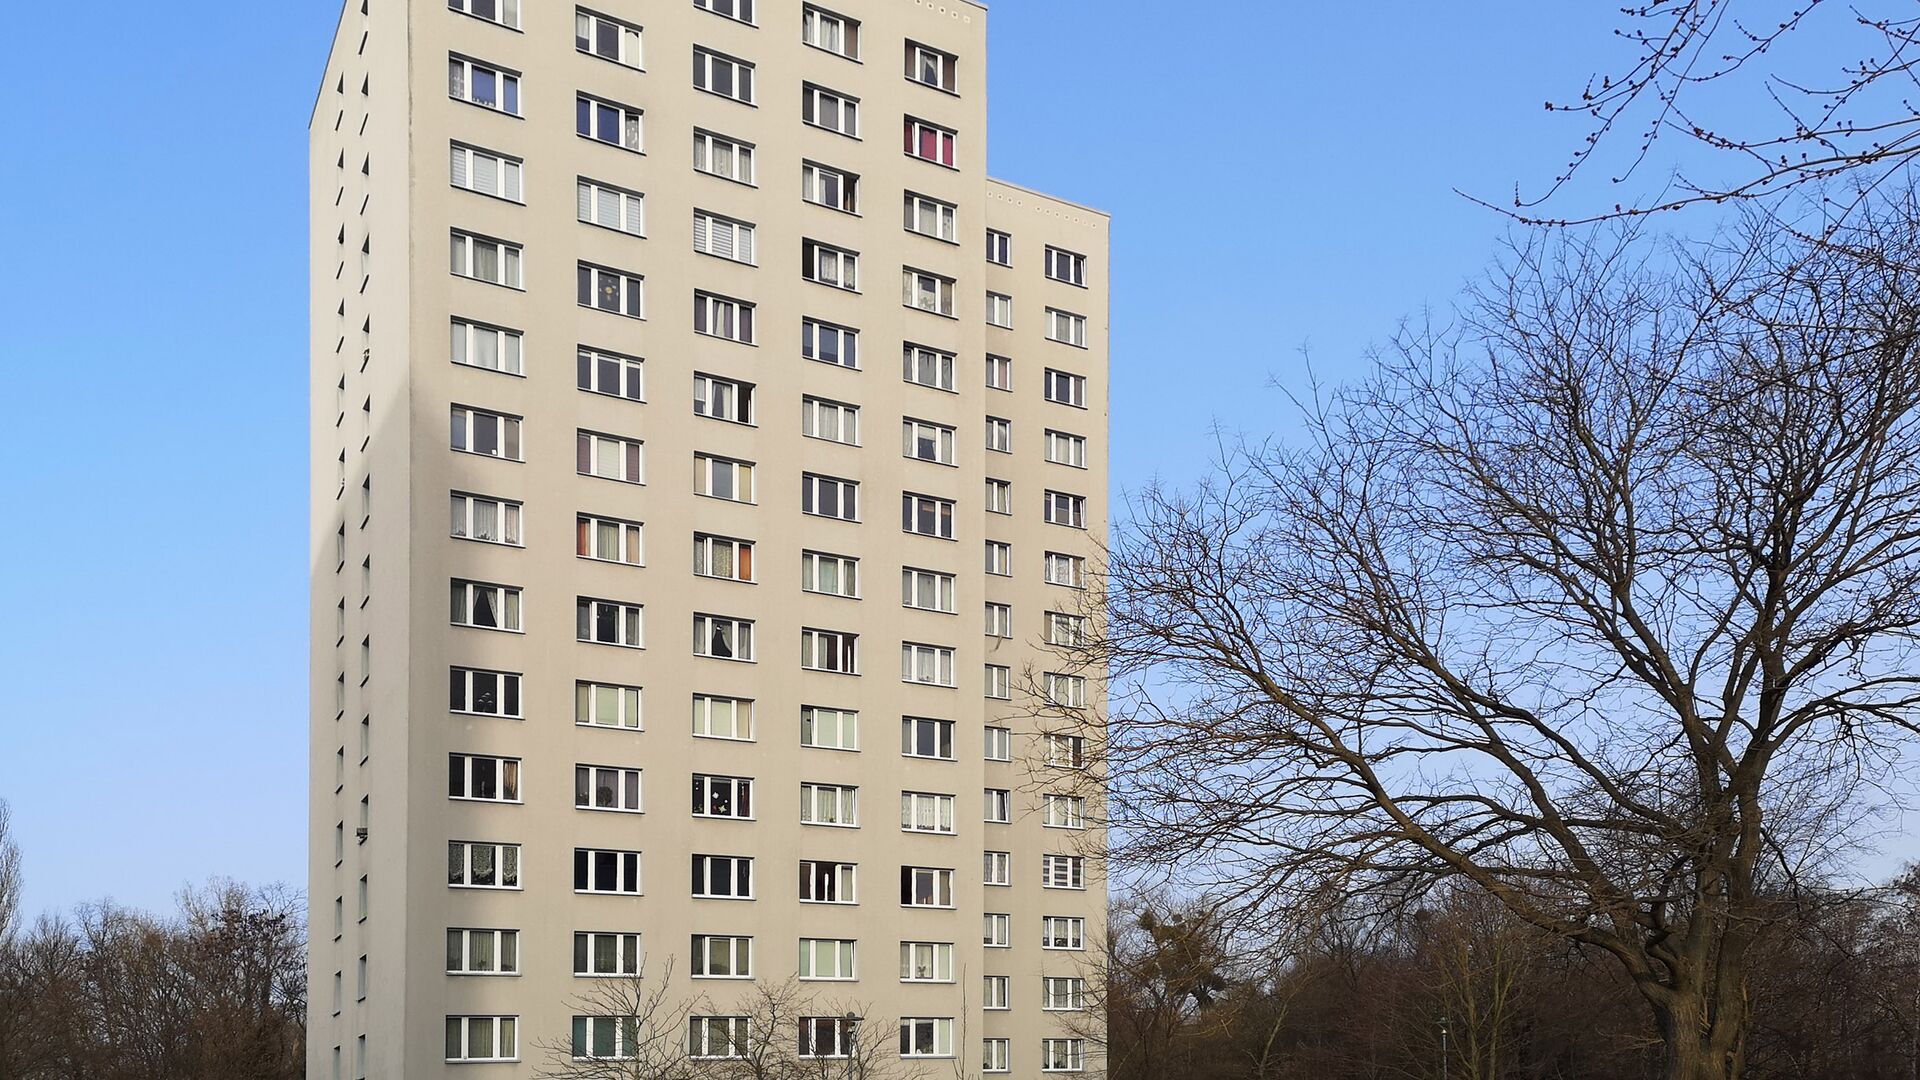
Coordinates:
(798, 1035)
(1600, 601)
(1847, 114)
(635, 1029)
(10, 883)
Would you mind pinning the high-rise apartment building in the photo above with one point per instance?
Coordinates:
(642, 644)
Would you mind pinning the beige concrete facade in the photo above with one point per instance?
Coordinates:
(386, 383)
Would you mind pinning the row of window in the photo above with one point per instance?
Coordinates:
(615, 1038)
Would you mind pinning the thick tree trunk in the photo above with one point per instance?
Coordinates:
(1704, 1040)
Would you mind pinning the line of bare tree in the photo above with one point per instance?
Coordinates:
(216, 991)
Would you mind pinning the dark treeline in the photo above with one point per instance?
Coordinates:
(1835, 994)
(214, 991)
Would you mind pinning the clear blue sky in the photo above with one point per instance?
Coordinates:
(153, 729)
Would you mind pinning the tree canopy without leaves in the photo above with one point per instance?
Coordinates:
(1600, 600)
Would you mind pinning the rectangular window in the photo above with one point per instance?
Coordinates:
(994, 992)
(828, 30)
(504, 12)
(999, 496)
(927, 291)
(1065, 629)
(1063, 932)
(997, 744)
(929, 66)
(1066, 388)
(1065, 509)
(826, 959)
(469, 1038)
(717, 956)
(1065, 751)
(486, 779)
(496, 262)
(607, 38)
(824, 185)
(1063, 994)
(722, 399)
(719, 1036)
(616, 291)
(926, 1036)
(930, 217)
(827, 496)
(931, 665)
(485, 519)
(598, 870)
(598, 954)
(1068, 570)
(836, 805)
(723, 237)
(1063, 872)
(485, 606)
(476, 431)
(829, 729)
(999, 558)
(926, 367)
(477, 865)
(999, 248)
(829, 650)
(828, 1037)
(723, 317)
(826, 882)
(928, 590)
(996, 1055)
(1066, 327)
(722, 796)
(737, 10)
(929, 141)
(832, 421)
(719, 155)
(483, 952)
(606, 787)
(926, 515)
(722, 557)
(607, 121)
(727, 76)
(925, 441)
(830, 575)
(1064, 812)
(606, 705)
(607, 622)
(999, 803)
(470, 168)
(925, 738)
(478, 83)
(829, 344)
(926, 812)
(1062, 1055)
(483, 693)
(723, 478)
(490, 348)
(926, 961)
(1000, 310)
(926, 886)
(607, 539)
(824, 108)
(598, 371)
(723, 877)
(999, 373)
(717, 717)
(1063, 265)
(604, 1038)
(825, 264)
(610, 457)
(999, 435)
(610, 207)
(1065, 449)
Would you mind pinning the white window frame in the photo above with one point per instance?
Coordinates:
(846, 496)
(588, 700)
(507, 605)
(1063, 1055)
(937, 440)
(938, 658)
(934, 958)
(939, 880)
(710, 710)
(595, 201)
(999, 806)
(1000, 310)
(629, 622)
(836, 652)
(1067, 571)
(1063, 994)
(1065, 388)
(996, 930)
(465, 168)
(818, 183)
(996, 1055)
(846, 110)
(587, 25)
(1066, 629)
(628, 788)
(829, 265)
(736, 949)
(504, 773)
(466, 703)
(1065, 751)
(999, 435)
(1066, 328)
(728, 400)
(1063, 872)
(506, 12)
(723, 317)
(739, 556)
(709, 65)
(927, 812)
(1066, 266)
(1063, 933)
(739, 480)
(921, 363)
(995, 990)
(999, 496)
(505, 876)
(845, 574)
(503, 1033)
(603, 1038)
(628, 372)
(997, 744)
(628, 544)
(925, 215)
(733, 1034)
(592, 449)
(723, 237)
(504, 946)
(830, 31)
(460, 72)
(815, 332)
(945, 67)
(740, 11)
(626, 955)
(1065, 508)
(996, 868)
(1063, 812)
(841, 879)
(941, 511)
(632, 134)
(736, 793)
(463, 254)
(739, 633)
(1066, 448)
(734, 873)
(833, 806)
(840, 954)
(941, 737)
(999, 244)
(999, 372)
(464, 336)
(999, 558)
(946, 142)
(924, 290)
(507, 515)
(709, 145)
(593, 282)
(842, 726)
(999, 620)
(935, 586)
